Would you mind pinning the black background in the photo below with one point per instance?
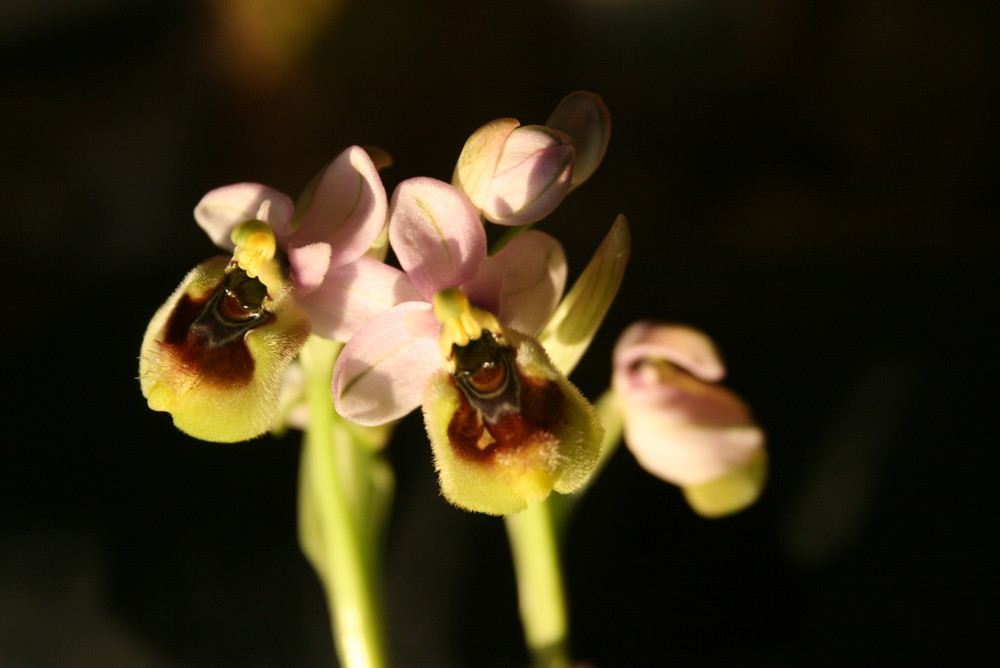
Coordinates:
(810, 183)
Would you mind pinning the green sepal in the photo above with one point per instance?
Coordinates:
(575, 321)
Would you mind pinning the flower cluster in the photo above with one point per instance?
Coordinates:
(481, 339)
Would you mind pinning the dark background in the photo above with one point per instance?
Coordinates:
(809, 182)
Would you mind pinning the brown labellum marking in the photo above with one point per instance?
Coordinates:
(500, 409)
(207, 334)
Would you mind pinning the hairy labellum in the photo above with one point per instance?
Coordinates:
(214, 353)
(506, 427)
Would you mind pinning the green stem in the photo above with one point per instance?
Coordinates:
(508, 236)
(542, 601)
(534, 541)
(336, 524)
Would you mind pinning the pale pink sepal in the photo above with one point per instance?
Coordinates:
(353, 294)
(686, 453)
(382, 371)
(682, 345)
(223, 209)
(532, 177)
(347, 208)
(534, 277)
(436, 234)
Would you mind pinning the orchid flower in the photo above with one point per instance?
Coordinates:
(214, 354)
(517, 175)
(505, 424)
(680, 424)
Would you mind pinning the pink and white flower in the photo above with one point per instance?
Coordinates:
(214, 354)
(326, 238)
(440, 243)
(505, 425)
(680, 424)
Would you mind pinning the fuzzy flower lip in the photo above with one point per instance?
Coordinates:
(679, 423)
(214, 351)
(325, 238)
(441, 244)
(506, 427)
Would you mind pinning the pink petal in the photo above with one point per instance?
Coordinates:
(221, 210)
(483, 289)
(690, 431)
(382, 371)
(351, 295)
(346, 209)
(309, 265)
(436, 234)
(534, 277)
(685, 346)
(690, 454)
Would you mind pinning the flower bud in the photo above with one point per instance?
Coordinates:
(515, 175)
(683, 427)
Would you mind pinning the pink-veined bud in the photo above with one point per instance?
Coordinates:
(680, 424)
(515, 175)
(584, 117)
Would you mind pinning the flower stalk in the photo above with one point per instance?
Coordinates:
(535, 540)
(344, 485)
(534, 543)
